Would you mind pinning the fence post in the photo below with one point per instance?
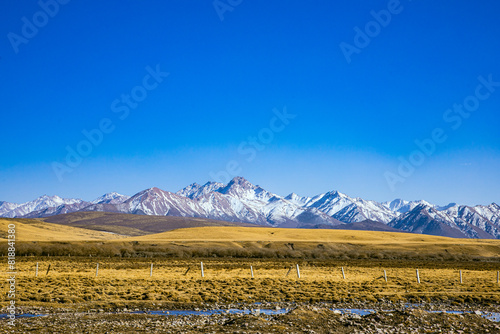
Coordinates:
(298, 271)
(343, 274)
(48, 270)
(418, 277)
(202, 273)
(151, 271)
(251, 270)
(291, 267)
(36, 270)
(97, 270)
(385, 276)
(460, 276)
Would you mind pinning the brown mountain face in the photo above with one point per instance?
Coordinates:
(132, 224)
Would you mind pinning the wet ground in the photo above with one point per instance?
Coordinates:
(385, 317)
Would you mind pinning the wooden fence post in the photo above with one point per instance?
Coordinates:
(251, 270)
(298, 271)
(460, 276)
(385, 276)
(418, 277)
(343, 273)
(151, 271)
(48, 270)
(97, 270)
(202, 273)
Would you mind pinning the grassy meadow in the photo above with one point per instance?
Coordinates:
(72, 282)
(124, 278)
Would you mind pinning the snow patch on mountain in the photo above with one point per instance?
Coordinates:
(41, 203)
(111, 198)
(194, 190)
(241, 201)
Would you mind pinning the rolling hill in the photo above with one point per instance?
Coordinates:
(37, 230)
(132, 225)
(110, 234)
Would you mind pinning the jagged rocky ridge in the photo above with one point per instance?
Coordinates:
(239, 200)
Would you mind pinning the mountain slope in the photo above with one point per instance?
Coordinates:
(110, 198)
(58, 210)
(242, 201)
(154, 202)
(427, 220)
(194, 190)
(130, 224)
(6, 207)
(41, 203)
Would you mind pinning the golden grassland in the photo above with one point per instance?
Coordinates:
(293, 234)
(72, 282)
(37, 230)
(39, 238)
(124, 277)
(241, 236)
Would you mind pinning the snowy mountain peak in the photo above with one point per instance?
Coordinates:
(334, 194)
(423, 207)
(194, 190)
(110, 198)
(252, 195)
(189, 190)
(40, 203)
(396, 204)
(46, 200)
(6, 207)
(401, 206)
(240, 182)
(238, 186)
(154, 191)
(297, 200)
(242, 201)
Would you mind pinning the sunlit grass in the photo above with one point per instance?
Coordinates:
(73, 283)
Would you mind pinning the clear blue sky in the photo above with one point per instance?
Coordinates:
(354, 120)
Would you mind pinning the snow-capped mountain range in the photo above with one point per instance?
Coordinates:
(241, 201)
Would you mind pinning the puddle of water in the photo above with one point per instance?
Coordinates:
(493, 316)
(219, 311)
(357, 311)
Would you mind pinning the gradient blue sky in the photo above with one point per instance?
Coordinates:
(353, 120)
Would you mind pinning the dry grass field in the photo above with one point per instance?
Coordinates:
(124, 280)
(39, 238)
(72, 282)
(309, 239)
(37, 230)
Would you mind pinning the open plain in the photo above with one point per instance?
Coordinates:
(114, 283)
